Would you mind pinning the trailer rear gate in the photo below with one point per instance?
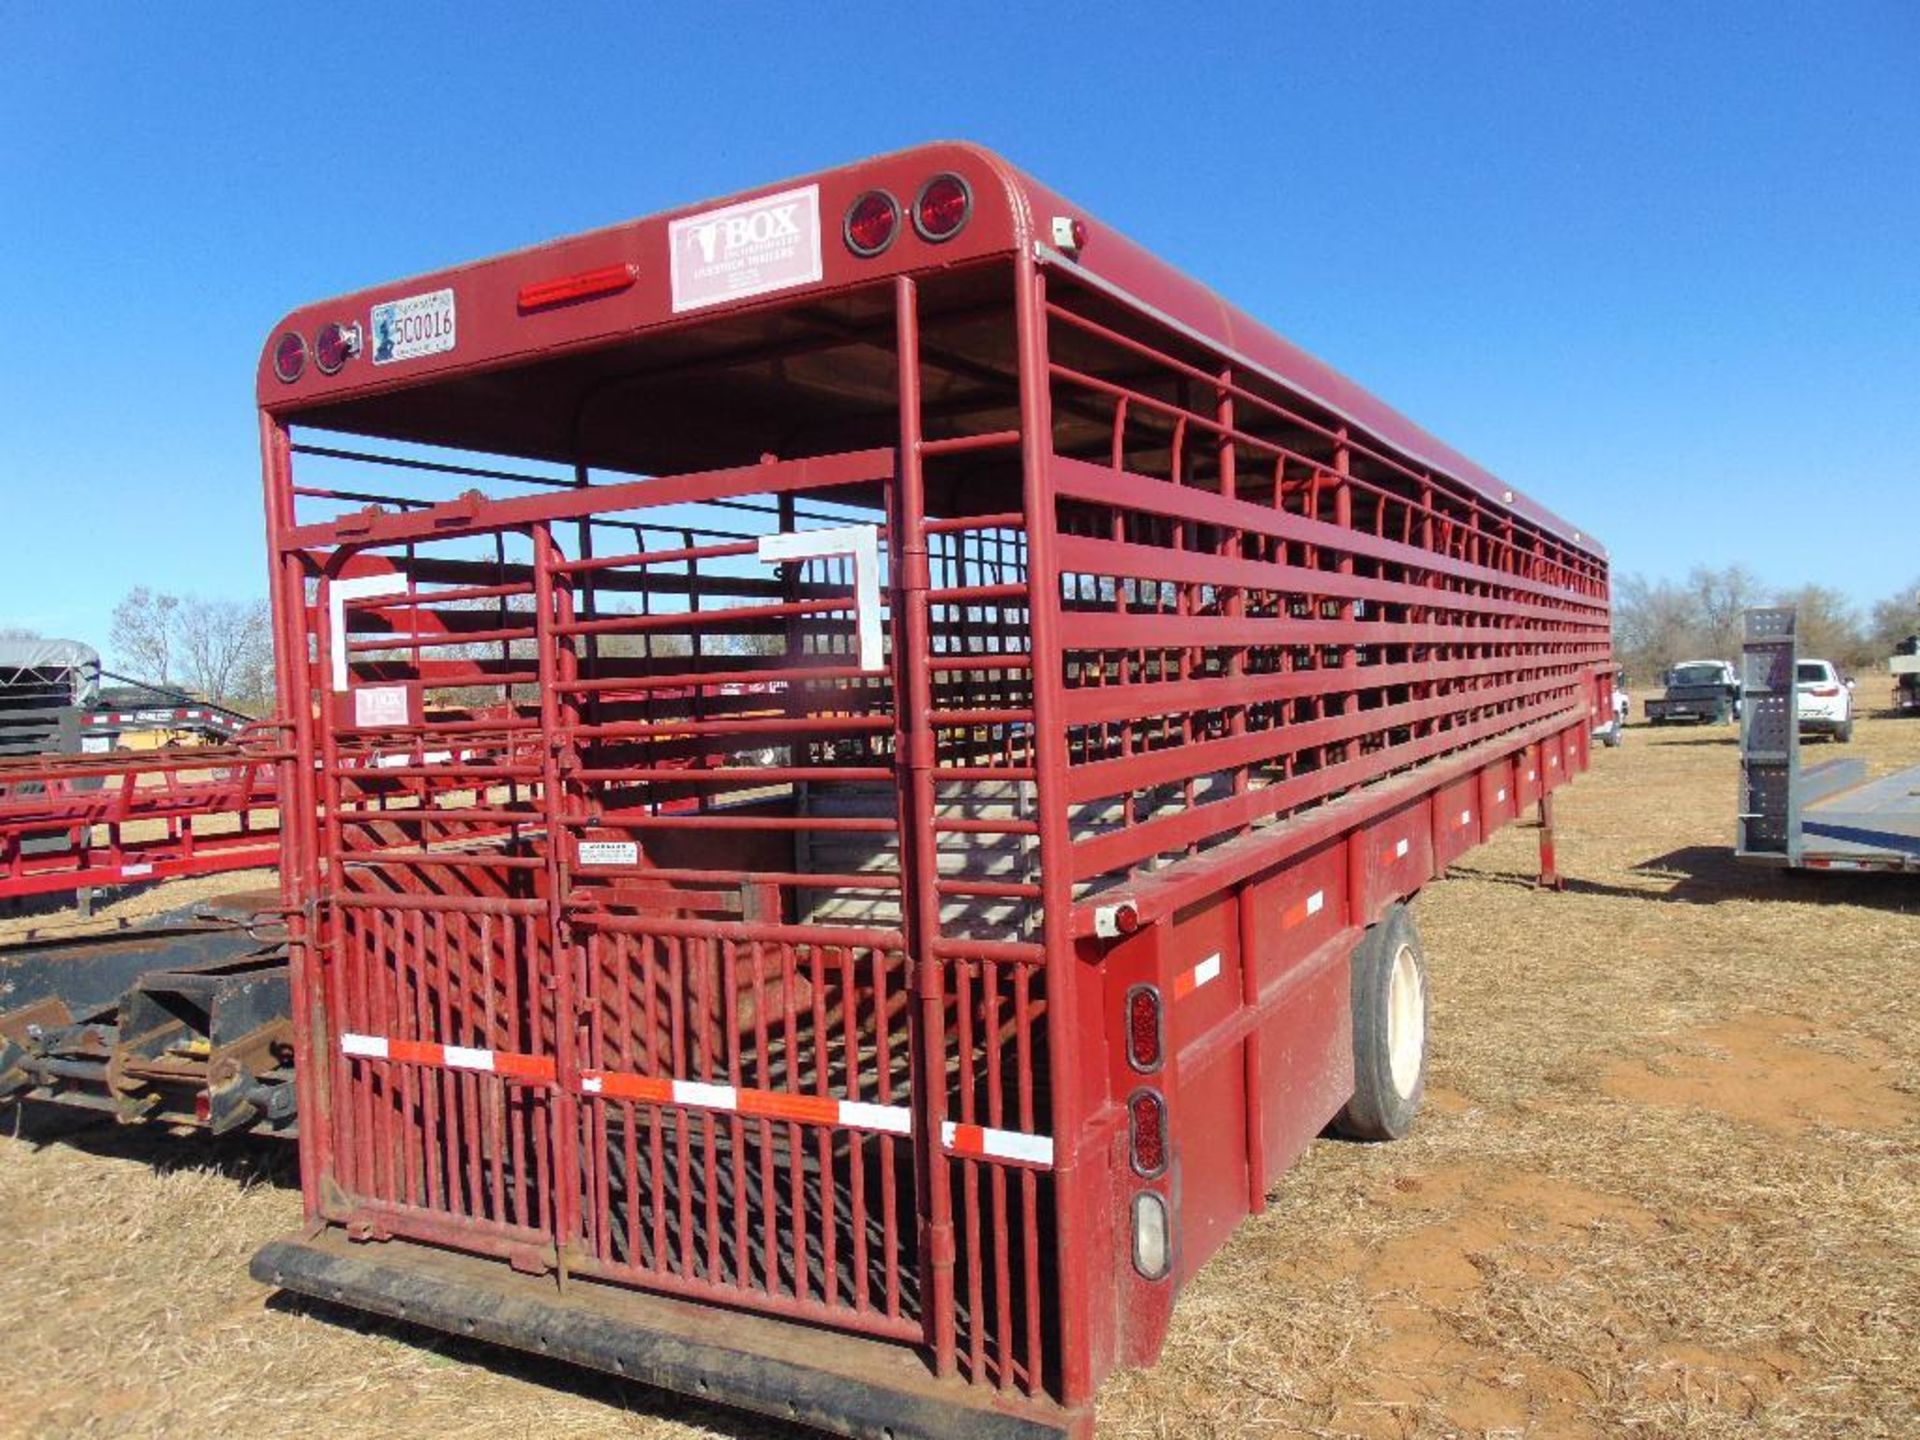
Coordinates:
(857, 700)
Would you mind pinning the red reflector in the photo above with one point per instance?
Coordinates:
(1144, 1029)
(334, 346)
(872, 221)
(290, 356)
(942, 208)
(587, 285)
(1147, 1120)
(203, 1107)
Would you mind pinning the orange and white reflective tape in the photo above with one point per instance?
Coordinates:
(1303, 909)
(1188, 981)
(973, 1141)
(448, 1057)
(978, 1142)
(761, 1104)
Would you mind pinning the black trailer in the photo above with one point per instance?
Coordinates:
(1831, 816)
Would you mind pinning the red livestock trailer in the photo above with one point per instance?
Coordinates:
(963, 707)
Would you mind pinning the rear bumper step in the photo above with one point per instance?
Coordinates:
(843, 1384)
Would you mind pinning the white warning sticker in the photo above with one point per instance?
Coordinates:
(752, 248)
(609, 852)
(407, 329)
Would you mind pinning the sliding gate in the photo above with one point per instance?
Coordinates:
(624, 989)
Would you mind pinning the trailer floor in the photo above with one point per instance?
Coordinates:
(1668, 1185)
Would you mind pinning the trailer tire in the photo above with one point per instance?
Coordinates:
(1610, 737)
(1389, 1031)
(1844, 731)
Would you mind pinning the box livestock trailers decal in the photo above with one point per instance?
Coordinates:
(930, 751)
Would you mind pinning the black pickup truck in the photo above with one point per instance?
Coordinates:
(1698, 692)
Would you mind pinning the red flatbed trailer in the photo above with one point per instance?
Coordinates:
(968, 706)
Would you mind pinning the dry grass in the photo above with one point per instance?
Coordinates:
(1668, 1185)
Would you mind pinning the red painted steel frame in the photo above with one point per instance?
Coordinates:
(76, 822)
(739, 943)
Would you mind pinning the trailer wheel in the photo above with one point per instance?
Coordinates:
(1610, 737)
(1844, 732)
(1389, 1031)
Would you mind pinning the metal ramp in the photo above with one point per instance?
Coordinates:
(1829, 817)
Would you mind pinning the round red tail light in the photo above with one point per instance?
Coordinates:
(334, 346)
(872, 222)
(290, 356)
(943, 207)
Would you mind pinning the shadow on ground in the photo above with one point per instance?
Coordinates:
(244, 1159)
(630, 1398)
(1707, 874)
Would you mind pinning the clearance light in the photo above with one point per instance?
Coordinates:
(1152, 1237)
(943, 207)
(290, 356)
(1147, 1127)
(872, 222)
(587, 285)
(1145, 1032)
(334, 346)
(1069, 234)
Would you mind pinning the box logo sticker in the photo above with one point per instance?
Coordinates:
(752, 248)
(407, 329)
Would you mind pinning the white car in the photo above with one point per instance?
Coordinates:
(1825, 700)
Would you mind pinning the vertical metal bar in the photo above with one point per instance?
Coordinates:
(550, 608)
(1056, 862)
(919, 894)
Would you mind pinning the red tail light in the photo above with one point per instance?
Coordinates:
(943, 207)
(1147, 1124)
(1146, 1031)
(334, 346)
(203, 1107)
(290, 356)
(1825, 692)
(872, 222)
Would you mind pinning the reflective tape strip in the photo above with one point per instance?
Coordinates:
(980, 1143)
(131, 872)
(1188, 981)
(363, 1047)
(1399, 849)
(449, 1057)
(1466, 818)
(1304, 910)
(760, 1104)
(1500, 795)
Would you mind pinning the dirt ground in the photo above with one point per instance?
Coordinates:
(1667, 1184)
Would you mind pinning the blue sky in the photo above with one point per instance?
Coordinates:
(1658, 265)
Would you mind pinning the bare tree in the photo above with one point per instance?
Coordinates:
(1656, 624)
(142, 634)
(1893, 620)
(225, 649)
(1722, 599)
(1828, 627)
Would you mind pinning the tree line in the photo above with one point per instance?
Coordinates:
(219, 649)
(1657, 624)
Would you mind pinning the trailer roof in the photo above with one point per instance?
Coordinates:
(491, 323)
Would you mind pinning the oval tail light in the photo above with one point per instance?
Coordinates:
(290, 357)
(1147, 1127)
(1146, 1031)
(872, 222)
(943, 207)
